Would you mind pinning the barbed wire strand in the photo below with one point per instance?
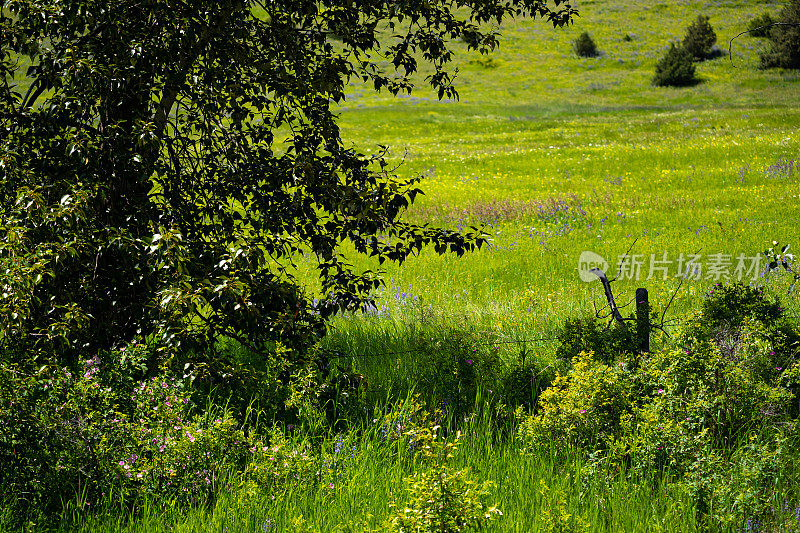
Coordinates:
(333, 354)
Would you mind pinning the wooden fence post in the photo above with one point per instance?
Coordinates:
(643, 320)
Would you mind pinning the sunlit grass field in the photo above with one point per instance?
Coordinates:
(555, 155)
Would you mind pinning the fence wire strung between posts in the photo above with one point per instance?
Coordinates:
(333, 354)
(643, 326)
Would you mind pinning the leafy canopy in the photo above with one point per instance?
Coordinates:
(163, 163)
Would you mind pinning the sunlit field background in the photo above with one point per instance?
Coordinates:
(554, 155)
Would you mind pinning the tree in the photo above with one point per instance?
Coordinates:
(584, 46)
(675, 68)
(784, 38)
(163, 163)
(700, 37)
(760, 26)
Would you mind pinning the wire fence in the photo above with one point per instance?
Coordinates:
(333, 354)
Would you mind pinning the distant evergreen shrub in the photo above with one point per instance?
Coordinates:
(675, 69)
(584, 46)
(785, 39)
(700, 37)
(760, 25)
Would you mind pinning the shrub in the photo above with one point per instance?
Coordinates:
(583, 407)
(163, 450)
(699, 39)
(452, 364)
(675, 69)
(278, 463)
(588, 335)
(584, 46)
(523, 383)
(760, 26)
(729, 305)
(94, 430)
(54, 422)
(785, 39)
(441, 500)
(555, 517)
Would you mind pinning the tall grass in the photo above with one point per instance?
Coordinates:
(531, 490)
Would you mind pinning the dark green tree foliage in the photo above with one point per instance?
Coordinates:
(584, 46)
(784, 39)
(761, 25)
(164, 163)
(700, 37)
(675, 69)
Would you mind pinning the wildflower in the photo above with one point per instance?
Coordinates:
(331, 486)
(469, 361)
(661, 391)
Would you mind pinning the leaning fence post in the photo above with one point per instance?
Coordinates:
(643, 320)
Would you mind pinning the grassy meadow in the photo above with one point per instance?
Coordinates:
(551, 155)
(558, 154)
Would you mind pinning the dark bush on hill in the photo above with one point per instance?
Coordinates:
(589, 335)
(785, 39)
(699, 39)
(584, 46)
(760, 25)
(675, 69)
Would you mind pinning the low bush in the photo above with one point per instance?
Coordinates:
(730, 305)
(105, 428)
(715, 406)
(523, 383)
(441, 499)
(584, 46)
(585, 406)
(452, 364)
(587, 334)
(675, 68)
